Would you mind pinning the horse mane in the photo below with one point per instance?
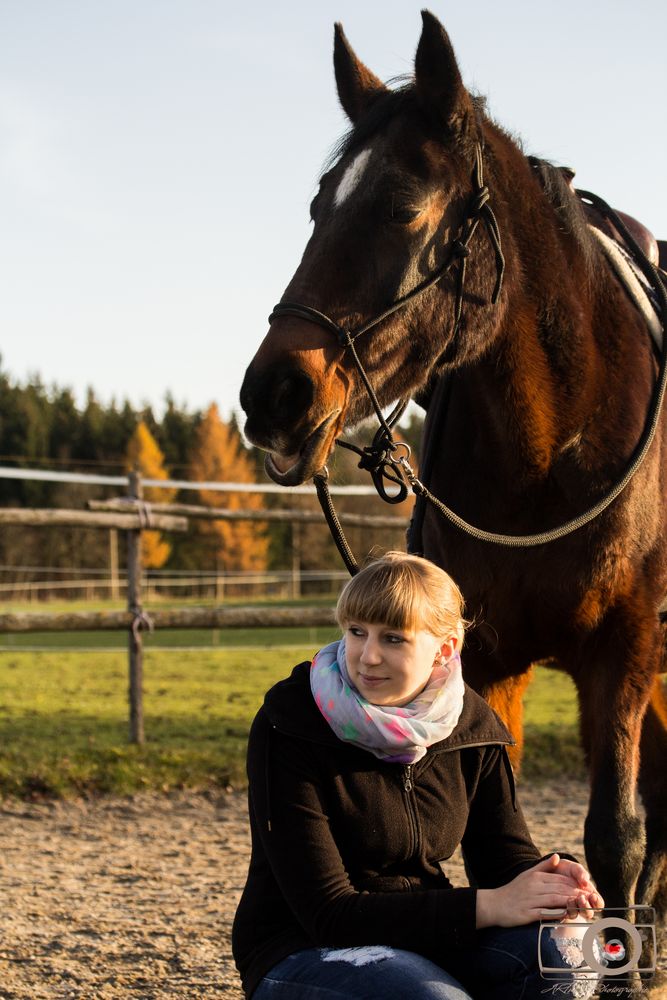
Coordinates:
(569, 208)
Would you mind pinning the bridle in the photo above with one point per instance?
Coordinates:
(478, 209)
(387, 459)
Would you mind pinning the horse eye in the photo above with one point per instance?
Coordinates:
(402, 214)
(405, 215)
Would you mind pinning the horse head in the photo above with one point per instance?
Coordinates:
(387, 214)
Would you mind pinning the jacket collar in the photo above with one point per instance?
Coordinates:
(290, 707)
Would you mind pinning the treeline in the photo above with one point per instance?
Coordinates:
(43, 427)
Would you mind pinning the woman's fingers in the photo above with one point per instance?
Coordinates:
(578, 905)
(555, 883)
(561, 880)
(569, 908)
(579, 875)
(575, 869)
(552, 906)
(573, 872)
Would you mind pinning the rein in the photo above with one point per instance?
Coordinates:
(388, 459)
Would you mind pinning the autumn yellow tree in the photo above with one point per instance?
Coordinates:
(219, 457)
(144, 455)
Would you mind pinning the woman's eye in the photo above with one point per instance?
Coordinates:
(353, 630)
(395, 638)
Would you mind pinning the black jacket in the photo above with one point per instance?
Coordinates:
(350, 850)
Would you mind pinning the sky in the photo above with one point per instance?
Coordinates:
(158, 157)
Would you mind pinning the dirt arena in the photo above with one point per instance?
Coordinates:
(135, 897)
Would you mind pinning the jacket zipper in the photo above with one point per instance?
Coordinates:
(413, 821)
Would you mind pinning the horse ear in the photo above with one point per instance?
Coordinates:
(357, 86)
(437, 74)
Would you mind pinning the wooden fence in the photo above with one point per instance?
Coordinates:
(133, 515)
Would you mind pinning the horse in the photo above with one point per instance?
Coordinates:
(460, 262)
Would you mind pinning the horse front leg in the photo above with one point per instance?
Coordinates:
(614, 681)
(652, 885)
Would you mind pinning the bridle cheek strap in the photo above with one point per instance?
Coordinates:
(480, 209)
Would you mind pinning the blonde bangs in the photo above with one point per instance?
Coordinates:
(404, 592)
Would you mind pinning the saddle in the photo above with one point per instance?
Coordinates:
(655, 250)
(642, 236)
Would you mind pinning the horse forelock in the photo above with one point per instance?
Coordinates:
(384, 109)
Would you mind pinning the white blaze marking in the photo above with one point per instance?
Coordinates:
(351, 177)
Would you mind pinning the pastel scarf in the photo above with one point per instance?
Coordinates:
(394, 734)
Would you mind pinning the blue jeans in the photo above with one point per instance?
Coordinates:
(503, 966)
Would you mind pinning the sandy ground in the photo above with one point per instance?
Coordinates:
(135, 898)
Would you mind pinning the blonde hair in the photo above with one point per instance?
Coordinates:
(403, 592)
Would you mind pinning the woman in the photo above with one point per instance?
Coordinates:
(366, 770)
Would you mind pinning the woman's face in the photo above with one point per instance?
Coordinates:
(391, 666)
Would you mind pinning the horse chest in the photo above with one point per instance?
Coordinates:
(536, 603)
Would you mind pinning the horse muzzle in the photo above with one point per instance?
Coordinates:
(291, 470)
(285, 419)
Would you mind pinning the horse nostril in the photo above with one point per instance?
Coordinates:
(293, 394)
(274, 401)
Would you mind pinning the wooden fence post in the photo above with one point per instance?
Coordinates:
(135, 645)
(113, 563)
(296, 561)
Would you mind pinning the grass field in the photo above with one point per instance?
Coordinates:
(63, 718)
(227, 638)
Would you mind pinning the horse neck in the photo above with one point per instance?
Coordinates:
(554, 379)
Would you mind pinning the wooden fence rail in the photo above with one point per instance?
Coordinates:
(129, 521)
(153, 510)
(182, 618)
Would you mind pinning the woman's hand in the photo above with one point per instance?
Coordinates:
(548, 889)
(586, 898)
